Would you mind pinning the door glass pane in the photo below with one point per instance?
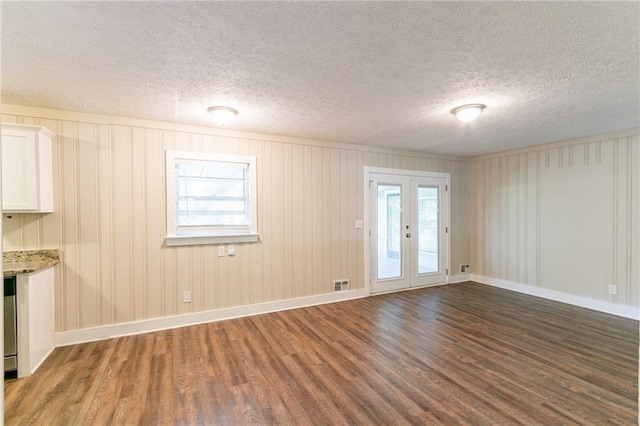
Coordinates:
(427, 229)
(389, 232)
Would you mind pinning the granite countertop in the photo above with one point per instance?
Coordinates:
(27, 261)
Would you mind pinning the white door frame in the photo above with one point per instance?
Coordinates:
(367, 217)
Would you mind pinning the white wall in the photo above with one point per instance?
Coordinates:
(564, 218)
(110, 219)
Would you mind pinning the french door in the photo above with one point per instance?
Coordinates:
(408, 228)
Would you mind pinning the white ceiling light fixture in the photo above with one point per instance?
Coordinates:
(468, 113)
(222, 114)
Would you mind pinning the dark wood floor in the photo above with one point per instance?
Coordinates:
(457, 354)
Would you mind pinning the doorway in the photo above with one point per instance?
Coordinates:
(409, 228)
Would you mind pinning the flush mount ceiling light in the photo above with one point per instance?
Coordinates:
(468, 113)
(222, 114)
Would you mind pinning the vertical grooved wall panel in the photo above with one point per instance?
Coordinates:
(561, 218)
(110, 222)
(88, 254)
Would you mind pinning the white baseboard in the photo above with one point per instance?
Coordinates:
(584, 302)
(459, 278)
(451, 280)
(157, 324)
(146, 326)
(33, 370)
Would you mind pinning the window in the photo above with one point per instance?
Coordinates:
(211, 198)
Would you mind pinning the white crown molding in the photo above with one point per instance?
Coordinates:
(584, 302)
(85, 117)
(560, 144)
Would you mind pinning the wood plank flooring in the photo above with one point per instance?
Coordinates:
(457, 354)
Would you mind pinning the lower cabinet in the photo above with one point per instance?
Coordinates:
(36, 319)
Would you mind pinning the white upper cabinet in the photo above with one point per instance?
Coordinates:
(27, 169)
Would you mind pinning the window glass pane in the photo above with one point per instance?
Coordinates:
(208, 206)
(389, 232)
(427, 230)
(211, 195)
(211, 169)
(212, 212)
(198, 187)
(214, 220)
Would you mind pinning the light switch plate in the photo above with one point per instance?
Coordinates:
(359, 223)
(221, 251)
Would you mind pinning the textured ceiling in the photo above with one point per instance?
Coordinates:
(382, 74)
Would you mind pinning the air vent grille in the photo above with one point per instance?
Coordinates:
(341, 285)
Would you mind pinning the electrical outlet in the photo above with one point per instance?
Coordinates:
(231, 250)
(613, 289)
(186, 297)
(464, 269)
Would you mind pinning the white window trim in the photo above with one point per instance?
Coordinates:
(223, 237)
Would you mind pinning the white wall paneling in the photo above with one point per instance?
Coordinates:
(109, 219)
(563, 218)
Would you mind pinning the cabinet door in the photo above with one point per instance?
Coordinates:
(19, 171)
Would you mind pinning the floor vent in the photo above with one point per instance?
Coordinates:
(341, 285)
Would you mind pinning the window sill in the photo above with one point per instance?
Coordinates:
(195, 240)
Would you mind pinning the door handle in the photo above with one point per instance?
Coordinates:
(408, 235)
